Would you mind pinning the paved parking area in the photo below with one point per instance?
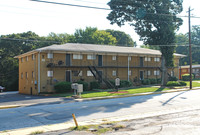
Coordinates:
(14, 98)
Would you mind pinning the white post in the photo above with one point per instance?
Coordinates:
(38, 72)
(128, 67)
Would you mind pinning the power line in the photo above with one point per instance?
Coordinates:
(91, 7)
(17, 39)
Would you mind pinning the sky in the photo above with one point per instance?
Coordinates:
(19, 16)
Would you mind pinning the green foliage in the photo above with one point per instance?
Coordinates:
(94, 85)
(173, 78)
(153, 21)
(125, 83)
(62, 87)
(153, 81)
(146, 82)
(122, 38)
(85, 85)
(186, 77)
(176, 83)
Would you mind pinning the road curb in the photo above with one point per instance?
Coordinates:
(9, 106)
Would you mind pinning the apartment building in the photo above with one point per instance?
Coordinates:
(40, 69)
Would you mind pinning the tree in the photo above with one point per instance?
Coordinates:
(122, 38)
(154, 20)
(93, 36)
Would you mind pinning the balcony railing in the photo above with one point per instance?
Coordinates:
(121, 64)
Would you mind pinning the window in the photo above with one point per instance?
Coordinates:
(114, 73)
(147, 58)
(148, 73)
(77, 56)
(26, 75)
(156, 72)
(193, 70)
(172, 73)
(49, 73)
(89, 73)
(21, 75)
(77, 73)
(21, 59)
(33, 56)
(49, 55)
(114, 57)
(129, 58)
(32, 74)
(129, 73)
(26, 58)
(156, 59)
(91, 57)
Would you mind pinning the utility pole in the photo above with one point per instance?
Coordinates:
(190, 48)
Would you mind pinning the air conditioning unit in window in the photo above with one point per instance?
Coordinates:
(60, 62)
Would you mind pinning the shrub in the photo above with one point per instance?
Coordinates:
(183, 83)
(146, 82)
(176, 83)
(186, 77)
(173, 78)
(62, 87)
(125, 83)
(153, 81)
(158, 81)
(85, 85)
(112, 82)
(94, 85)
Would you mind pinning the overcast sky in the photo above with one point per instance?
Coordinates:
(19, 16)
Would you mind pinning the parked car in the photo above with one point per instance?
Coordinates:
(2, 88)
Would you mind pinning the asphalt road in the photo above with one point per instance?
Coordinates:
(130, 107)
(13, 98)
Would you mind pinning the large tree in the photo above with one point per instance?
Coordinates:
(154, 20)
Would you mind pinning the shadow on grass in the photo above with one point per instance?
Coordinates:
(160, 89)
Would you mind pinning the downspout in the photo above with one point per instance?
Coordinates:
(39, 72)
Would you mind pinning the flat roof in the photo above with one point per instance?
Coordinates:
(188, 66)
(93, 48)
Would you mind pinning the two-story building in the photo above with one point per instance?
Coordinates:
(40, 69)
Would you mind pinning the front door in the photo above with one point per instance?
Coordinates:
(141, 75)
(100, 60)
(68, 59)
(141, 62)
(68, 76)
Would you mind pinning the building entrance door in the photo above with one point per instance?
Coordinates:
(141, 75)
(68, 76)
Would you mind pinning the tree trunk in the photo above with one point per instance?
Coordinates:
(164, 77)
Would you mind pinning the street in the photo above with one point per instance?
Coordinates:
(119, 109)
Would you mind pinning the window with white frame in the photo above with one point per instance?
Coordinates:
(129, 72)
(148, 73)
(114, 57)
(156, 72)
(50, 55)
(172, 73)
(156, 59)
(91, 57)
(33, 56)
(147, 59)
(21, 75)
(80, 73)
(26, 58)
(49, 73)
(77, 73)
(129, 58)
(114, 73)
(89, 73)
(21, 59)
(77, 56)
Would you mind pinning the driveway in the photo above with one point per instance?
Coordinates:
(14, 98)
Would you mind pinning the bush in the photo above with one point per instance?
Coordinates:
(146, 82)
(153, 81)
(173, 78)
(62, 87)
(94, 85)
(186, 77)
(85, 85)
(125, 83)
(183, 83)
(158, 81)
(176, 83)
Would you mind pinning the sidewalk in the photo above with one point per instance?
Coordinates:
(66, 125)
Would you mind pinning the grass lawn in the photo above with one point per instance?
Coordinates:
(90, 94)
(194, 84)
